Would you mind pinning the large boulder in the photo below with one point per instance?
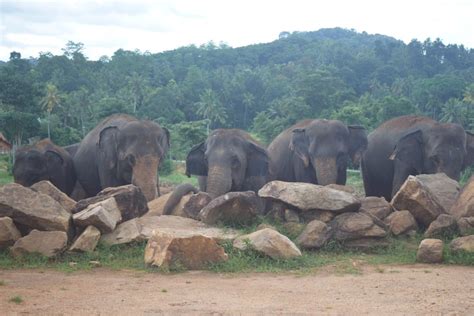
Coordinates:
(415, 197)
(140, 229)
(463, 244)
(191, 204)
(401, 223)
(194, 253)
(430, 251)
(442, 187)
(232, 208)
(156, 206)
(268, 242)
(8, 232)
(464, 205)
(307, 196)
(466, 226)
(315, 235)
(129, 198)
(444, 226)
(104, 215)
(32, 209)
(87, 241)
(376, 206)
(47, 243)
(350, 226)
(48, 188)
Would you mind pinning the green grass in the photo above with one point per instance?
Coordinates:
(5, 176)
(354, 179)
(16, 299)
(176, 178)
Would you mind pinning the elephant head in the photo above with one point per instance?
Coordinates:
(230, 159)
(44, 161)
(131, 154)
(437, 148)
(325, 147)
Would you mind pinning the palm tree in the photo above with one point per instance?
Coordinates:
(210, 108)
(451, 111)
(50, 100)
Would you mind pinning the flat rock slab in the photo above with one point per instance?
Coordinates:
(401, 222)
(444, 226)
(232, 208)
(140, 229)
(463, 244)
(194, 252)
(8, 232)
(315, 235)
(307, 196)
(416, 198)
(349, 226)
(47, 243)
(48, 188)
(104, 215)
(32, 209)
(269, 242)
(129, 198)
(430, 251)
(445, 189)
(87, 241)
(464, 205)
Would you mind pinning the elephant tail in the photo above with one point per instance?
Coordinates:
(180, 191)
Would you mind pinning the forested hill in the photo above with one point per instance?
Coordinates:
(331, 73)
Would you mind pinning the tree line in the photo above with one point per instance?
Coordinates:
(331, 73)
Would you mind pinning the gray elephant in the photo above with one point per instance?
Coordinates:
(44, 161)
(316, 151)
(229, 160)
(122, 150)
(411, 145)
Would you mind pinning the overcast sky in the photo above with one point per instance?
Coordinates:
(35, 26)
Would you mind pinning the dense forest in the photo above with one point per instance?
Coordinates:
(331, 73)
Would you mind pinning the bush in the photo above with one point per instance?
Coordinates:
(166, 167)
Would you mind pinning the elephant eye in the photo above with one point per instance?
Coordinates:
(235, 162)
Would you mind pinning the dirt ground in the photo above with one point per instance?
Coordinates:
(385, 290)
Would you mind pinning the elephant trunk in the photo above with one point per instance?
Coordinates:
(326, 170)
(219, 181)
(145, 176)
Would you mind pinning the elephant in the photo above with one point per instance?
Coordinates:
(411, 145)
(44, 161)
(122, 150)
(316, 151)
(229, 160)
(72, 149)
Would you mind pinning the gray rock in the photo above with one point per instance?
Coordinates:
(125, 233)
(442, 187)
(349, 226)
(191, 205)
(48, 188)
(307, 196)
(464, 205)
(104, 215)
(401, 222)
(32, 209)
(415, 197)
(233, 208)
(269, 242)
(376, 206)
(87, 241)
(47, 243)
(315, 235)
(463, 244)
(444, 226)
(8, 232)
(466, 226)
(430, 251)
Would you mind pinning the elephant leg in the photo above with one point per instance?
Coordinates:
(78, 193)
(202, 181)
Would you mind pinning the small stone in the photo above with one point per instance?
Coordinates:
(87, 241)
(463, 244)
(314, 236)
(401, 222)
(270, 243)
(430, 251)
(47, 243)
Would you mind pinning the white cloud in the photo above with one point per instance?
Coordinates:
(105, 26)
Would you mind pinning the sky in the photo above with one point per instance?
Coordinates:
(104, 26)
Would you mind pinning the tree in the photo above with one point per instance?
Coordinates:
(210, 108)
(49, 102)
(451, 112)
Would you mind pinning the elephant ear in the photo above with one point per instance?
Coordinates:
(107, 149)
(257, 161)
(299, 144)
(469, 159)
(409, 150)
(196, 162)
(165, 140)
(54, 165)
(357, 142)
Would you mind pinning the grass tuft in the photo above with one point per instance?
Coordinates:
(16, 299)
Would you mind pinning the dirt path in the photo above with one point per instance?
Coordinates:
(388, 290)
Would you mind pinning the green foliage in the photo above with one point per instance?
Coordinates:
(16, 299)
(184, 136)
(166, 167)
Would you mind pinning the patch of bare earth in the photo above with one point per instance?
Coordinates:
(387, 290)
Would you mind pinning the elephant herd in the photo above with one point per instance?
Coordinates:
(124, 150)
